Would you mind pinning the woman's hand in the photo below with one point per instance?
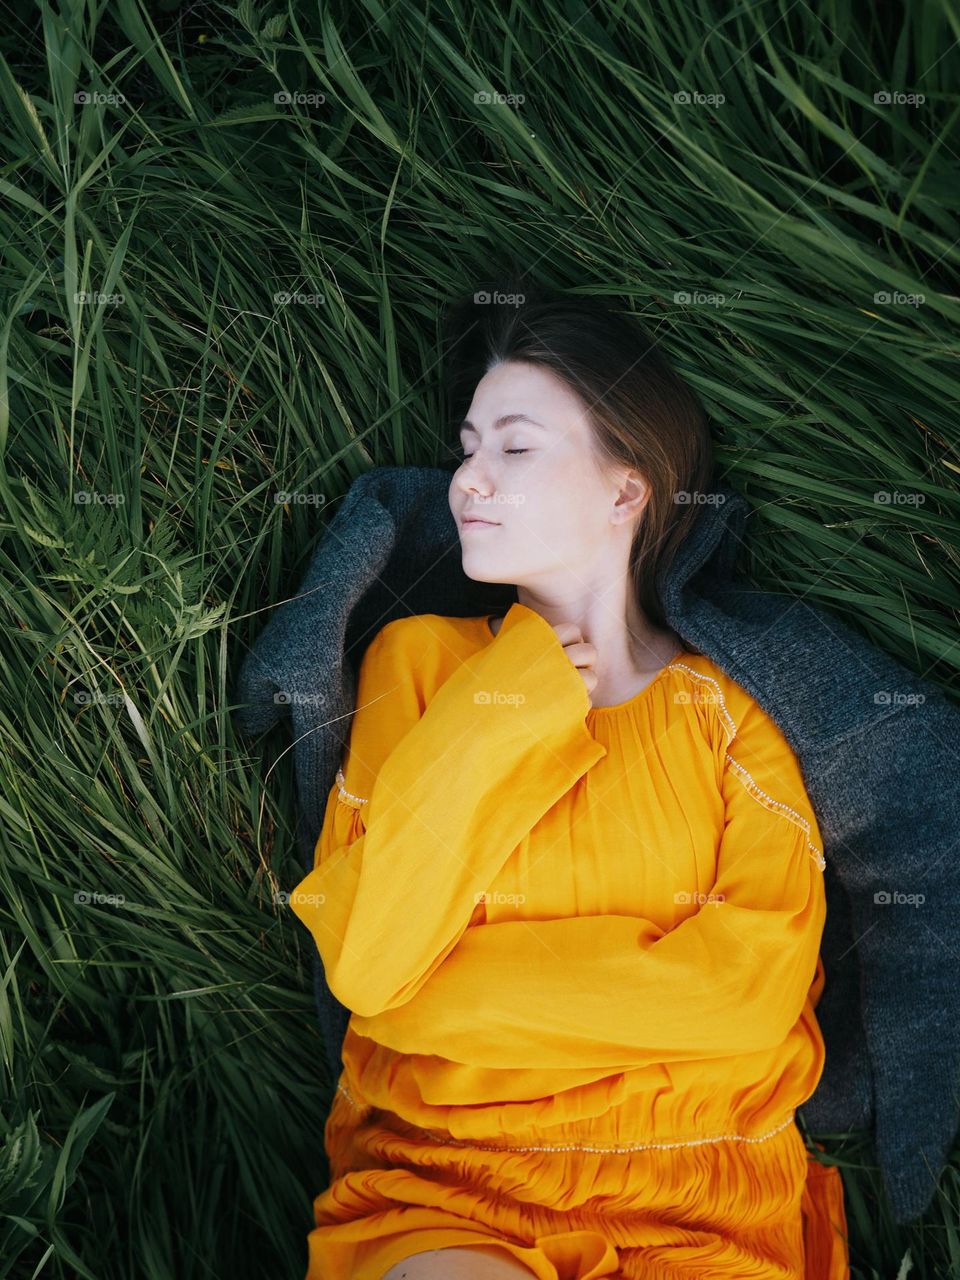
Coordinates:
(582, 654)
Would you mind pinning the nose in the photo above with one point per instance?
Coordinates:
(465, 478)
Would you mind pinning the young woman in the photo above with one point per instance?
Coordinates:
(569, 883)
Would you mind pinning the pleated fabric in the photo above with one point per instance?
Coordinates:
(581, 946)
(706, 1209)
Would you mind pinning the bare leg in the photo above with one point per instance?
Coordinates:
(459, 1264)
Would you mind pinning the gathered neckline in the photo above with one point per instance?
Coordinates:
(637, 697)
(484, 621)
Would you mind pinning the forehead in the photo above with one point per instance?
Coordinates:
(514, 392)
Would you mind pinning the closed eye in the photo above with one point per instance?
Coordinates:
(467, 456)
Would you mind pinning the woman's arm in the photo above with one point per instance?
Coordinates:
(616, 990)
(455, 789)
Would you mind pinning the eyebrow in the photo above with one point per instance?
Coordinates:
(504, 421)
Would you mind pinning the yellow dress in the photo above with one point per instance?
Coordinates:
(580, 946)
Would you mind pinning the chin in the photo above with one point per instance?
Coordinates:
(479, 575)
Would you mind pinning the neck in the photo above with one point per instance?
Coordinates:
(629, 647)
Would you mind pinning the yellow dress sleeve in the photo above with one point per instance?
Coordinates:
(400, 872)
(617, 991)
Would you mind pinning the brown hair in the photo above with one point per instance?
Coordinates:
(644, 415)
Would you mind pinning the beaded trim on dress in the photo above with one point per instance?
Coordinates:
(353, 801)
(756, 791)
(434, 1135)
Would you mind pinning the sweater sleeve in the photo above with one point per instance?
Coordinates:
(618, 991)
(400, 871)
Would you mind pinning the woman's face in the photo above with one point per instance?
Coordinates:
(550, 504)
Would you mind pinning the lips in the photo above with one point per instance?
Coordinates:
(476, 520)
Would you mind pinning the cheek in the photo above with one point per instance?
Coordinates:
(557, 482)
(567, 498)
(547, 497)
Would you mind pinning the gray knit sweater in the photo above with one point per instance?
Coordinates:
(878, 748)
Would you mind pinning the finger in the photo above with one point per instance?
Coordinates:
(581, 655)
(568, 633)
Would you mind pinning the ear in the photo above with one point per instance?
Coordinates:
(632, 498)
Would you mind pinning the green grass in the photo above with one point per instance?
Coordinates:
(163, 1098)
